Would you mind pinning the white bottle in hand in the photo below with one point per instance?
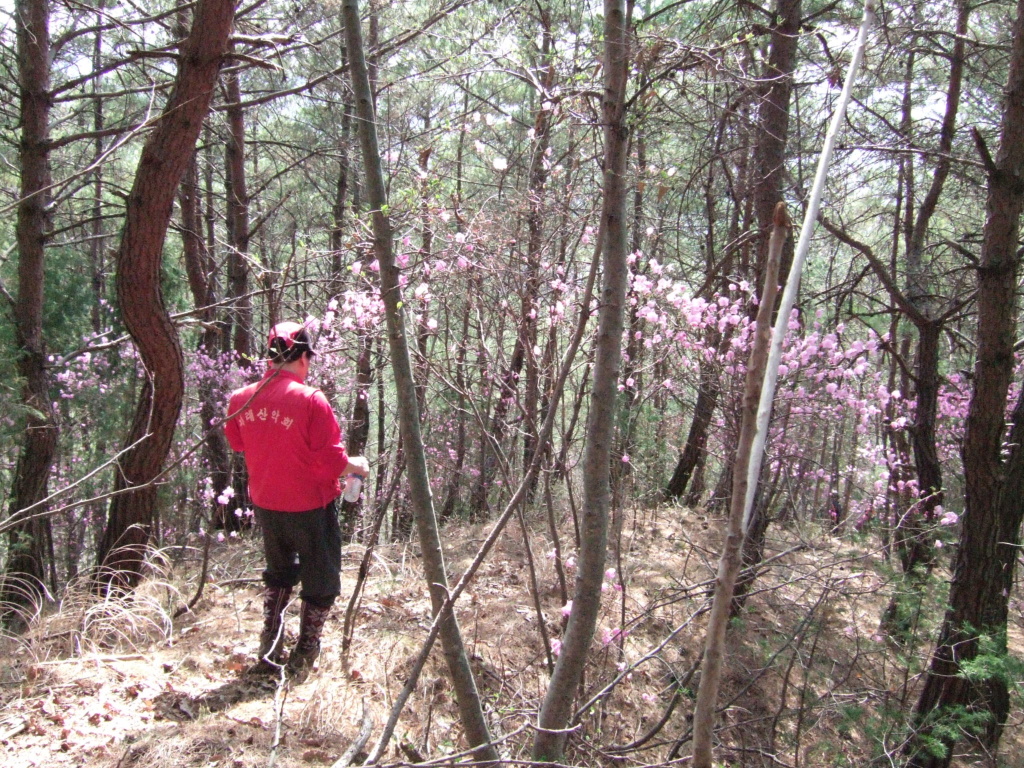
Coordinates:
(353, 487)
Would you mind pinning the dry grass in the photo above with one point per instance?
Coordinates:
(113, 682)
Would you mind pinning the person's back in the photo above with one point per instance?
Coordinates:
(291, 443)
(292, 446)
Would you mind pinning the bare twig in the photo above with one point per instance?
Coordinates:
(182, 610)
(360, 741)
(348, 626)
(280, 696)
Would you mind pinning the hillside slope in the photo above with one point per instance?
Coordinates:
(809, 679)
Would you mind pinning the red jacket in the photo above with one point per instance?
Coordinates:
(291, 441)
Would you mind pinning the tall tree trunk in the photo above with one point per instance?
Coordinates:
(536, 193)
(729, 565)
(165, 157)
(770, 164)
(210, 218)
(524, 353)
(455, 475)
(237, 229)
(631, 377)
(358, 433)
(708, 391)
(423, 332)
(97, 240)
(26, 564)
(341, 190)
(773, 129)
(467, 697)
(202, 280)
(549, 742)
(912, 545)
(910, 536)
(987, 555)
(237, 219)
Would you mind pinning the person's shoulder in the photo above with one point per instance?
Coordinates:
(316, 398)
(242, 391)
(298, 387)
(315, 393)
(302, 390)
(247, 391)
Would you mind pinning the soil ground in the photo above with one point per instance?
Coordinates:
(809, 681)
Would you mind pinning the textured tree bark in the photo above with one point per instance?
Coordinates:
(729, 565)
(773, 129)
(912, 546)
(535, 238)
(986, 558)
(341, 190)
(358, 432)
(549, 742)
(237, 220)
(454, 484)
(914, 549)
(918, 304)
(631, 376)
(770, 164)
(97, 241)
(523, 355)
(697, 437)
(454, 480)
(467, 697)
(165, 157)
(426, 252)
(25, 573)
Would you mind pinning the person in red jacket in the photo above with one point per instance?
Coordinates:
(293, 452)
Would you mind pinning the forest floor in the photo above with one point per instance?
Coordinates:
(809, 681)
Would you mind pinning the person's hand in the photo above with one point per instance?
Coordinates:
(358, 465)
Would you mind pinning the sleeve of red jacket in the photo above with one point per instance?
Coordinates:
(325, 438)
(231, 430)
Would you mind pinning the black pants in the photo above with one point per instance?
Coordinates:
(303, 546)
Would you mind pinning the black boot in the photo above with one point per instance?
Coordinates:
(307, 649)
(275, 600)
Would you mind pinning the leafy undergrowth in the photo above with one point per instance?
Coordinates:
(810, 680)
